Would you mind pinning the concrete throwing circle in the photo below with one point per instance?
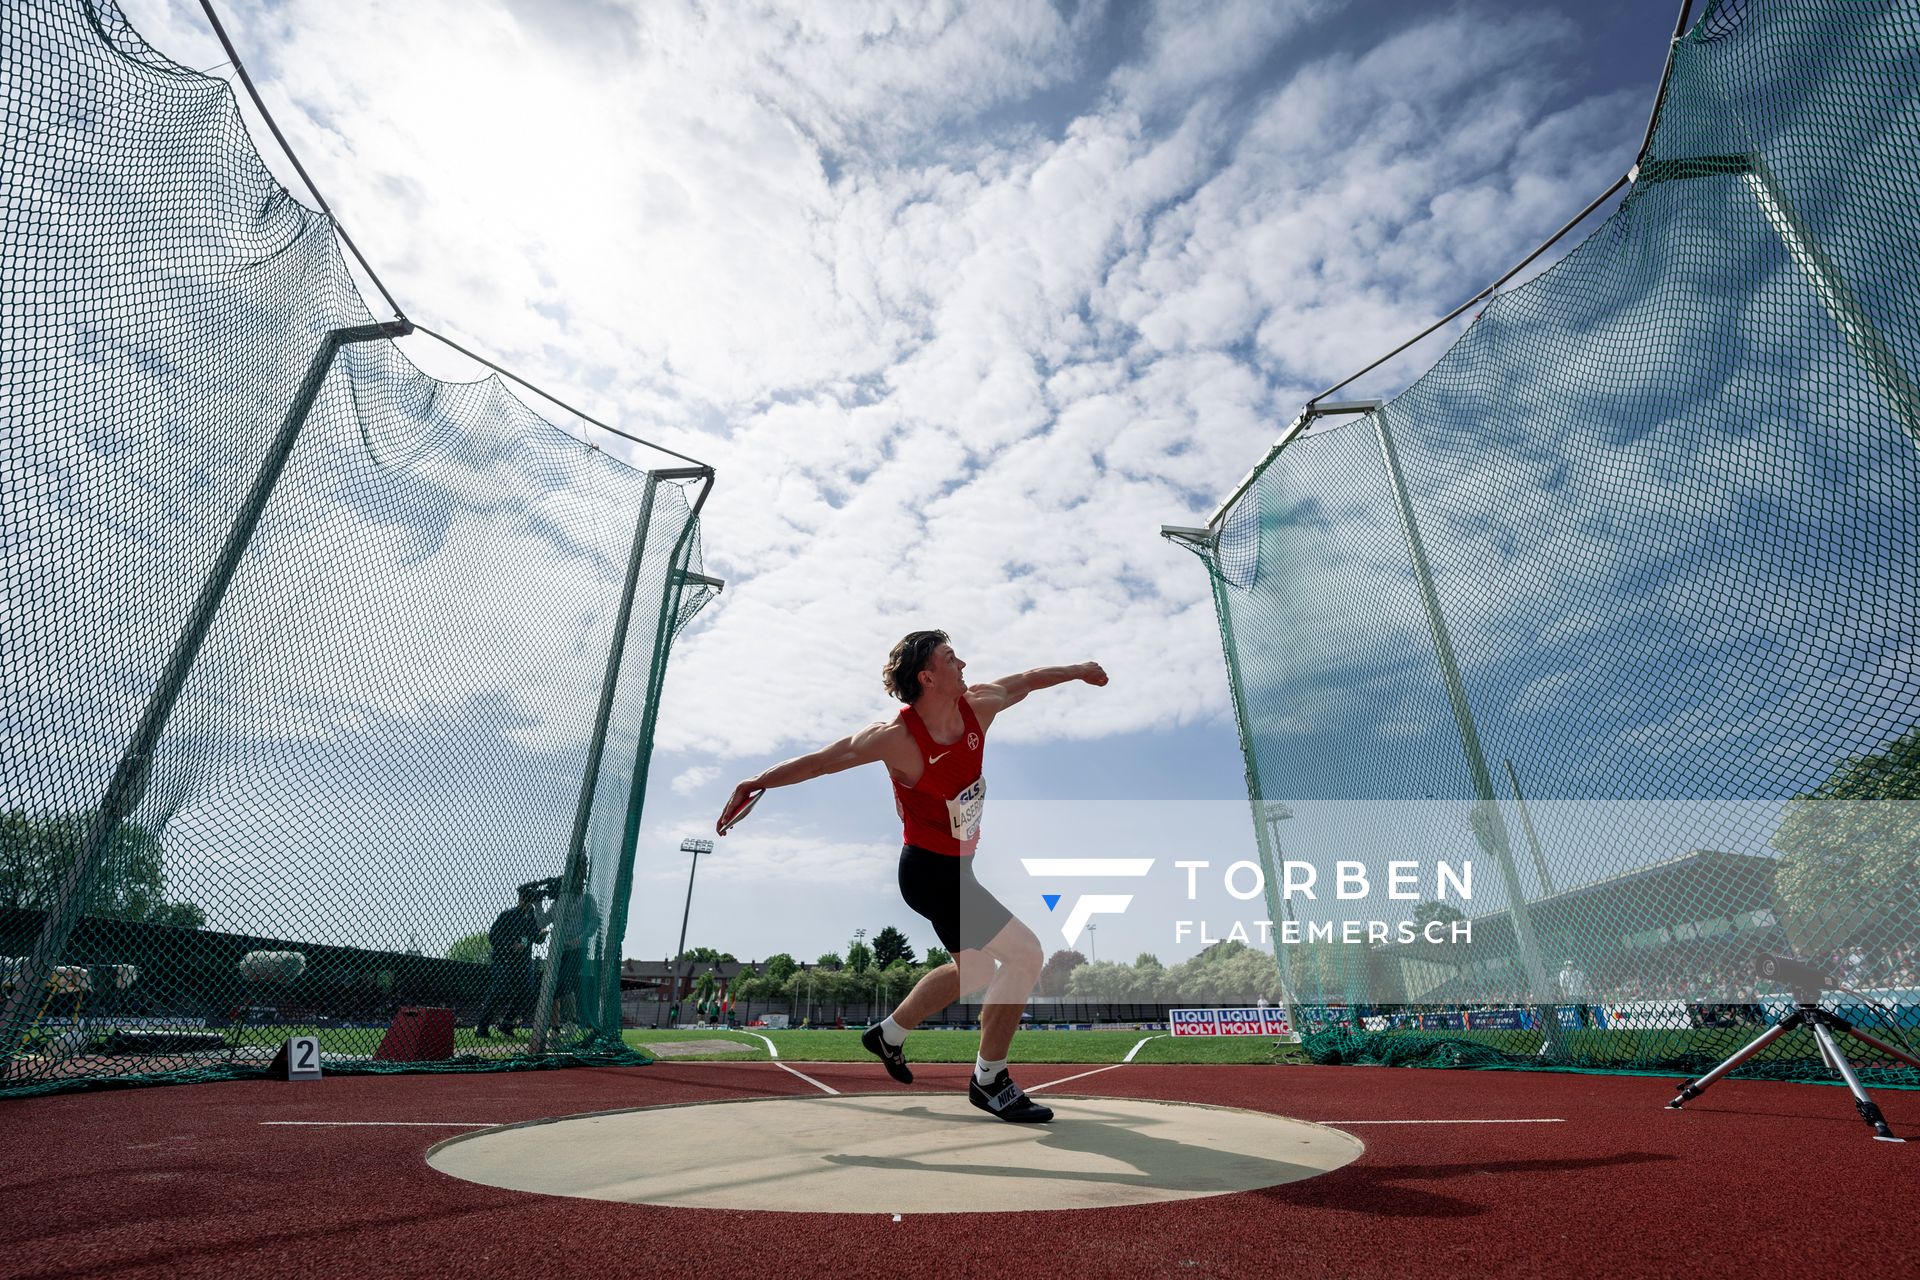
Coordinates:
(897, 1153)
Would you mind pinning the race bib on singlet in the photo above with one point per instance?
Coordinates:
(963, 811)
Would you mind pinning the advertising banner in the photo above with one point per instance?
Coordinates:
(1229, 1022)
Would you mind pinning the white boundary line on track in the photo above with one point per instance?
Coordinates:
(728, 1031)
(809, 1079)
(773, 1050)
(1542, 1120)
(401, 1124)
(1083, 1075)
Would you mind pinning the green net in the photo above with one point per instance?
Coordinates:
(308, 661)
(1618, 604)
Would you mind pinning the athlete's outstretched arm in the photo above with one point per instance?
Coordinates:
(864, 747)
(992, 698)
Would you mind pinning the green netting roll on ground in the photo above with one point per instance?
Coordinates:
(385, 725)
(1620, 601)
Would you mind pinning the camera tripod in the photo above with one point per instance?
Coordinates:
(1808, 1013)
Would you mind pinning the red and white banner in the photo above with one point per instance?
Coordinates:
(1228, 1022)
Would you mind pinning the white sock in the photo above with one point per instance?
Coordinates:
(985, 1071)
(892, 1032)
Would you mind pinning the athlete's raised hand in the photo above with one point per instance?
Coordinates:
(744, 797)
(1093, 673)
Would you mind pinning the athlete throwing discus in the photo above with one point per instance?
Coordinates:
(933, 752)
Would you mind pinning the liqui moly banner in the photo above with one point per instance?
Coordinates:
(1229, 1022)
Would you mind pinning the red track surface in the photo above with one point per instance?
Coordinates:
(189, 1181)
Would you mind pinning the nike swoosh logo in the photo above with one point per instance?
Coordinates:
(942, 756)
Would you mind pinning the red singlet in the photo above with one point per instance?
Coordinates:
(942, 810)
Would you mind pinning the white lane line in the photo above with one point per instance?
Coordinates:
(809, 1079)
(1083, 1075)
(402, 1124)
(1129, 1058)
(762, 1039)
(1544, 1120)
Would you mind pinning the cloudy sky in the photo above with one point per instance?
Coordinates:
(963, 302)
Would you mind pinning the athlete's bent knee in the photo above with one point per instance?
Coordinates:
(972, 970)
(1018, 950)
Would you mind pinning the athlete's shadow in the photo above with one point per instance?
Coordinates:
(1165, 1163)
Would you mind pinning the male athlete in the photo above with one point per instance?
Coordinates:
(933, 751)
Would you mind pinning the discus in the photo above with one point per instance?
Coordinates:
(730, 820)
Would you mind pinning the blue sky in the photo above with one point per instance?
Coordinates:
(964, 301)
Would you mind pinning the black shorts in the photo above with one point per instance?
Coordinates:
(965, 917)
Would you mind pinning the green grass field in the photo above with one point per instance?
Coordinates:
(1093, 1047)
(1623, 1050)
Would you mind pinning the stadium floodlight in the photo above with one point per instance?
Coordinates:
(696, 846)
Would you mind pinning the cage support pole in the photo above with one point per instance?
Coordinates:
(564, 920)
(1489, 827)
(128, 784)
(670, 597)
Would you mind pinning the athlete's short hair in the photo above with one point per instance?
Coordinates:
(909, 658)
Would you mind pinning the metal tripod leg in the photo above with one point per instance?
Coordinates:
(1897, 1054)
(1691, 1091)
(1869, 1110)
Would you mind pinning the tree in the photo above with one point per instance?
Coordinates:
(180, 915)
(779, 967)
(36, 853)
(474, 949)
(1850, 849)
(704, 988)
(1226, 973)
(937, 956)
(1053, 977)
(889, 945)
(859, 956)
(707, 955)
(830, 960)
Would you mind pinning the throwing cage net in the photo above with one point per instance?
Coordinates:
(1619, 603)
(308, 661)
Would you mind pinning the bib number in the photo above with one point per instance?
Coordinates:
(963, 811)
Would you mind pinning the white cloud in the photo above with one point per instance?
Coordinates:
(948, 376)
(688, 781)
(951, 371)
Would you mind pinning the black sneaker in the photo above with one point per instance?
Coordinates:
(1005, 1099)
(482, 1032)
(876, 1044)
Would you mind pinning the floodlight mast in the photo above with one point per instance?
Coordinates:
(696, 846)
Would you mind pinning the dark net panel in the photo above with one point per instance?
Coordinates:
(1620, 602)
(382, 729)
